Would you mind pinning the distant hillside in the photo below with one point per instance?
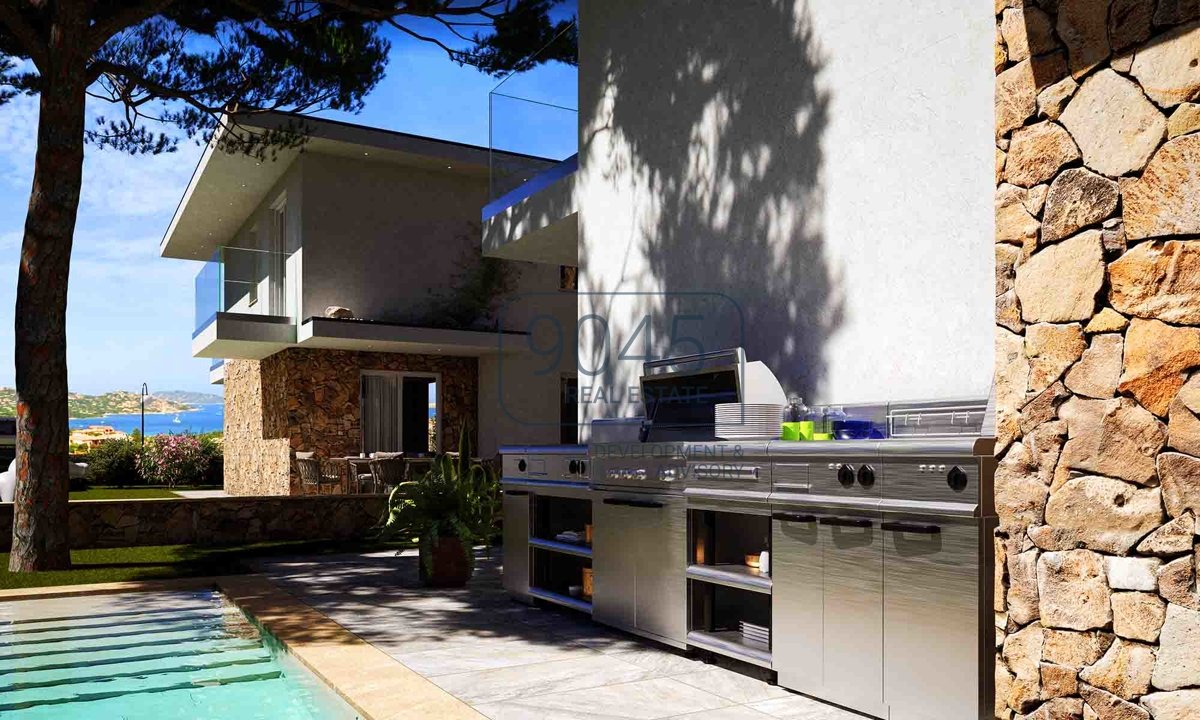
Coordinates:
(191, 398)
(80, 405)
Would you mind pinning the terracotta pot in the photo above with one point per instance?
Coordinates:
(445, 564)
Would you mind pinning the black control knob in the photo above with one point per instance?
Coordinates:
(583, 467)
(845, 475)
(573, 467)
(957, 479)
(521, 465)
(866, 476)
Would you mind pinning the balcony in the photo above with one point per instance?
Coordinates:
(533, 138)
(245, 304)
(216, 372)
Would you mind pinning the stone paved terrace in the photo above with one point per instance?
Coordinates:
(510, 661)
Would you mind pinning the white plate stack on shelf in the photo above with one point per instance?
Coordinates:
(755, 633)
(748, 421)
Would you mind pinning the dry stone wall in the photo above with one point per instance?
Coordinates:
(1097, 358)
(301, 399)
(213, 521)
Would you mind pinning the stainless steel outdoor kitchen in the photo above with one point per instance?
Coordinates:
(857, 570)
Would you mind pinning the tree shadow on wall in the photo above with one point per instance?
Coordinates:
(724, 150)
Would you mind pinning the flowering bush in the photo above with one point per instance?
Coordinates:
(174, 460)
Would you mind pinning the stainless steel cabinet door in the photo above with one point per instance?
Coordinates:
(797, 602)
(852, 551)
(661, 553)
(931, 619)
(516, 543)
(614, 563)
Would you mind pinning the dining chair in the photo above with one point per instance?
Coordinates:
(387, 471)
(315, 473)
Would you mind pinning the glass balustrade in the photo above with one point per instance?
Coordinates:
(244, 281)
(533, 127)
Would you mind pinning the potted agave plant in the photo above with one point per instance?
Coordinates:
(448, 509)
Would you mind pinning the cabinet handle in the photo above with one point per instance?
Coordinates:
(726, 472)
(633, 503)
(906, 528)
(846, 522)
(516, 493)
(794, 517)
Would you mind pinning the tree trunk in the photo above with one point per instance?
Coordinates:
(40, 522)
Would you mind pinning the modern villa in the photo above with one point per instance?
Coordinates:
(344, 300)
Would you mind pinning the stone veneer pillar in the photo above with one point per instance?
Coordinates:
(301, 399)
(1097, 347)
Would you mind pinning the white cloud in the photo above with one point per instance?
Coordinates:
(114, 184)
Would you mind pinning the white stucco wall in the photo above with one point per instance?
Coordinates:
(824, 167)
(519, 391)
(384, 240)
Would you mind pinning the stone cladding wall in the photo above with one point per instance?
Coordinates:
(213, 521)
(302, 399)
(1097, 347)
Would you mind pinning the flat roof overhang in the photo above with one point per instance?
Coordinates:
(245, 337)
(542, 227)
(225, 188)
(369, 336)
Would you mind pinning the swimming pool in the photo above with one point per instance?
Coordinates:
(150, 656)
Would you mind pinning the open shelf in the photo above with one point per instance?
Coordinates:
(741, 577)
(584, 551)
(555, 567)
(731, 644)
(553, 515)
(724, 593)
(559, 599)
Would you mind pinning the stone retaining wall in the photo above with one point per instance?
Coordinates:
(1098, 338)
(213, 521)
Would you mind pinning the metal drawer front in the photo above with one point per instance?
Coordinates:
(852, 550)
(791, 476)
(661, 585)
(797, 602)
(516, 543)
(931, 619)
(614, 563)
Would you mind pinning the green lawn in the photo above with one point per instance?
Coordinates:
(132, 493)
(172, 561)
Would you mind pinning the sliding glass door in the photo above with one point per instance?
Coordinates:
(399, 412)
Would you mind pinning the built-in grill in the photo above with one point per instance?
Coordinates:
(878, 594)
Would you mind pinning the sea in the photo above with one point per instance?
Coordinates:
(204, 418)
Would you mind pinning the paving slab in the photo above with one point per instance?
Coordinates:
(508, 661)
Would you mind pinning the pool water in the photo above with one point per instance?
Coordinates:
(151, 656)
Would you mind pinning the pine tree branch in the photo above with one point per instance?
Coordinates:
(23, 31)
(127, 16)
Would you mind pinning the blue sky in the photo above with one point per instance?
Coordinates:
(130, 313)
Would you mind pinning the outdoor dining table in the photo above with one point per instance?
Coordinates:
(357, 465)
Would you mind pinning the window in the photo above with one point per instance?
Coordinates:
(568, 278)
(568, 403)
(277, 243)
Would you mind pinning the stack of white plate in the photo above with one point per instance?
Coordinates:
(755, 633)
(748, 421)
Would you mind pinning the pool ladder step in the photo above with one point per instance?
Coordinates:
(24, 699)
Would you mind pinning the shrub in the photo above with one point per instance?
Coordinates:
(174, 460)
(114, 462)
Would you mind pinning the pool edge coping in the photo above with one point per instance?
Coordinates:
(373, 683)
